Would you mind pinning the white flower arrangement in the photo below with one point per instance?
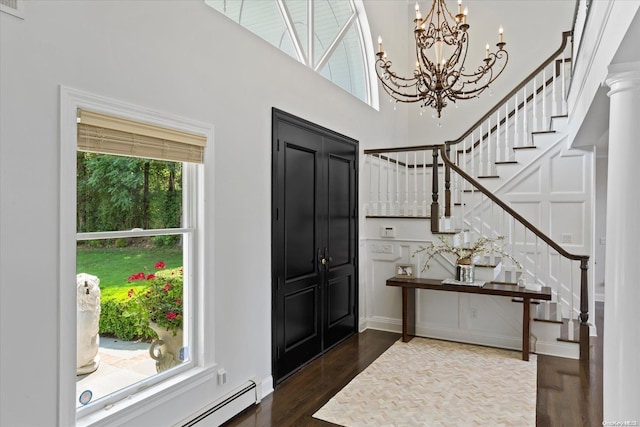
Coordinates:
(465, 254)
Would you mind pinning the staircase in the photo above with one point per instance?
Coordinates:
(472, 187)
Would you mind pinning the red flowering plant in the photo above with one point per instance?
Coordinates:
(159, 299)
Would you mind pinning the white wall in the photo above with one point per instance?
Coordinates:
(182, 58)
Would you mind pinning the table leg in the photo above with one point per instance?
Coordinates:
(408, 313)
(526, 327)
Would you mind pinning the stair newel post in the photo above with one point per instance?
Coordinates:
(584, 310)
(559, 289)
(435, 207)
(447, 185)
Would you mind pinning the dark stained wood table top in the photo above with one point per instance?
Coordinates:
(489, 288)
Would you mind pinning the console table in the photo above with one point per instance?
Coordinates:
(409, 287)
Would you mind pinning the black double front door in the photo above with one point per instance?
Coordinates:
(314, 241)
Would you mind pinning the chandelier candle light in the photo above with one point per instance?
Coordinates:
(440, 73)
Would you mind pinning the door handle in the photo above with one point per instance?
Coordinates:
(324, 259)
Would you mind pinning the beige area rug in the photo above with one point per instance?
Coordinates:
(429, 382)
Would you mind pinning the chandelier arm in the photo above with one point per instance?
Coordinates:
(457, 59)
(493, 62)
(469, 89)
(395, 85)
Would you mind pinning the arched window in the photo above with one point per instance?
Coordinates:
(331, 37)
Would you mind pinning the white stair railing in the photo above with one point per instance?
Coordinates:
(398, 182)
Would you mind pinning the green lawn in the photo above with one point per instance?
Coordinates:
(113, 266)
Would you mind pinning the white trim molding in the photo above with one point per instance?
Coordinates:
(202, 368)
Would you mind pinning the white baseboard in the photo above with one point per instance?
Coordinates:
(226, 407)
(267, 386)
(553, 348)
(386, 324)
(470, 337)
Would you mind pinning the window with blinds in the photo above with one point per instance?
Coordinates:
(102, 133)
(136, 220)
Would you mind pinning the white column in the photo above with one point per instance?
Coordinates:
(621, 370)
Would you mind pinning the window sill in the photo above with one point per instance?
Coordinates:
(139, 403)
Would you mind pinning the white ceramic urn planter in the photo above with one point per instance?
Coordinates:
(166, 349)
(88, 317)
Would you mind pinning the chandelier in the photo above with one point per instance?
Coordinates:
(440, 76)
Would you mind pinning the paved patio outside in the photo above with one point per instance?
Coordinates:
(122, 363)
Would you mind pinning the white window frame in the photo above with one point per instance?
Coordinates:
(198, 205)
(18, 11)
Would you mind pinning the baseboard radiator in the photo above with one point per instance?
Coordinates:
(226, 408)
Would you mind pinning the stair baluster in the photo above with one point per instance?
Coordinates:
(397, 210)
(516, 123)
(525, 132)
(424, 183)
(507, 133)
(544, 98)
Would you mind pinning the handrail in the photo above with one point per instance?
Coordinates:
(565, 37)
(401, 149)
(504, 120)
(509, 209)
(584, 259)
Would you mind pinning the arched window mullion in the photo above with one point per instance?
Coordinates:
(288, 22)
(351, 69)
(366, 47)
(334, 44)
(310, 34)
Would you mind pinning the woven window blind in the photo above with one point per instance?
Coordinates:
(102, 133)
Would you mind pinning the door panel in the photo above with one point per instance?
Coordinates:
(339, 300)
(314, 234)
(300, 317)
(339, 219)
(300, 211)
(341, 319)
(297, 299)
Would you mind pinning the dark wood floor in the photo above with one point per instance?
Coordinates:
(569, 392)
